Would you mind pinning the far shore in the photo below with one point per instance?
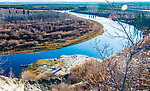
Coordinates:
(97, 29)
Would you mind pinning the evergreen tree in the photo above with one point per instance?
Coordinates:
(9, 11)
(24, 11)
(28, 11)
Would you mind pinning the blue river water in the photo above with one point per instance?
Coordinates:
(85, 48)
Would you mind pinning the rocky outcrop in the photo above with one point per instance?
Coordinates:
(15, 84)
(46, 74)
(51, 68)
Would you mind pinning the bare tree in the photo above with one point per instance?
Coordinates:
(132, 48)
(128, 70)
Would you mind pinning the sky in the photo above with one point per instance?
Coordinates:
(73, 0)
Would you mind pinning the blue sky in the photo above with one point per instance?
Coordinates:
(71, 0)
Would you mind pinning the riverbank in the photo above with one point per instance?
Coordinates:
(82, 30)
(139, 19)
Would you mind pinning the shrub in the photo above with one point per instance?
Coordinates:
(28, 75)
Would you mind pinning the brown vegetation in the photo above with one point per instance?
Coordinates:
(109, 74)
(43, 31)
(28, 75)
(66, 87)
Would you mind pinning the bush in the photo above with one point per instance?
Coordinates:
(28, 75)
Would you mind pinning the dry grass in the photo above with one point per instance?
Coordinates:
(100, 75)
(66, 87)
(28, 75)
(93, 72)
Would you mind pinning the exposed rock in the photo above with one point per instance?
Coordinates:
(58, 67)
(15, 84)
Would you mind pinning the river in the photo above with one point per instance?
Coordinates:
(85, 48)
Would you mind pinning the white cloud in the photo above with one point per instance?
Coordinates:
(2, 1)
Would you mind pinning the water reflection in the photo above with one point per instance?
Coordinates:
(92, 16)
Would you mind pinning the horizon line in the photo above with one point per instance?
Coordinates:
(66, 1)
